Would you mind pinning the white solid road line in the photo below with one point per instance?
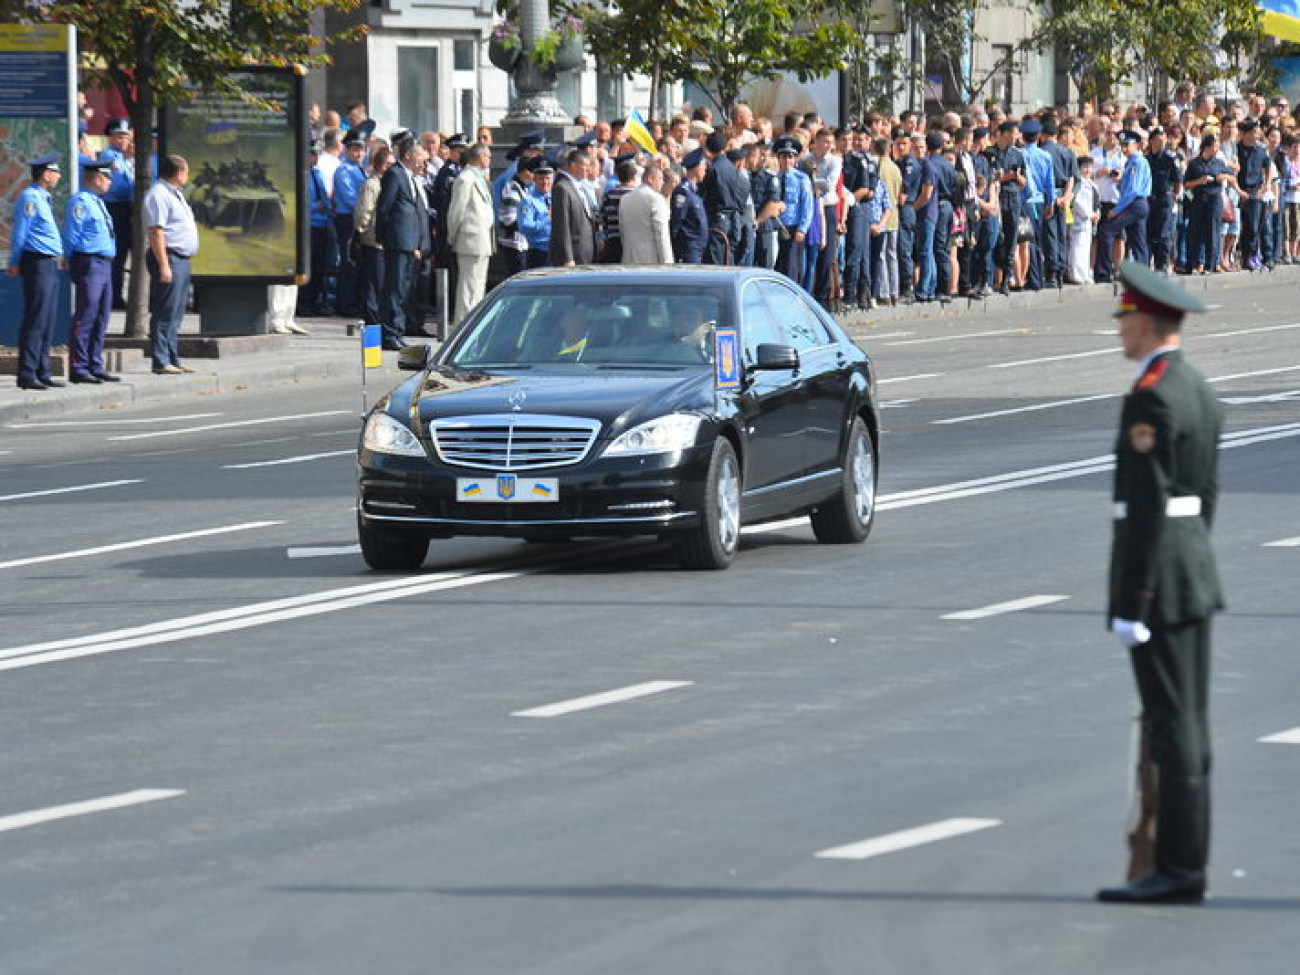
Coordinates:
(351, 451)
(1247, 331)
(124, 421)
(908, 379)
(601, 700)
(244, 617)
(908, 838)
(310, 552)
(965, 335)
(896, 404)
(138, 543)
(1052, 358)
(1284, 543)
(1291, 737)
(998, 609)
(1025, 409)
(67, 490)
(72, 809)
(1290, 394)
(1251, 375)
(229, 426)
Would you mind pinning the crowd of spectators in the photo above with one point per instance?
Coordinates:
(887, 210)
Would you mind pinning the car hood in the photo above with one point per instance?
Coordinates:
(618, 398)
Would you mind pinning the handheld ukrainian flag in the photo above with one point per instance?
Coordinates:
(1282, 19)
(639, 133)
(372, 354)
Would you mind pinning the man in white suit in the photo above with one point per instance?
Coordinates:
(470, 228)
(643, 221)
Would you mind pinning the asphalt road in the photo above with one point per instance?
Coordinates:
(230, 748)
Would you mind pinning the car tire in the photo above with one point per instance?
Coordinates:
(713, 543)
(846, 519)
(389, 551)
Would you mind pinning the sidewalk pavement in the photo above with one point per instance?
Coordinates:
(329, 354)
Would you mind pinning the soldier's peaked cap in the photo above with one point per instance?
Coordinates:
(1152, 293)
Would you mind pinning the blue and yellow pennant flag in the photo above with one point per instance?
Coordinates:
(372, 342)
(1282, 19)
(639, 132)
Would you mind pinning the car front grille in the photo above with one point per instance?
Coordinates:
(513, 441)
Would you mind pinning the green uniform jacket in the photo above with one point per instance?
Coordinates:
(1162, 568)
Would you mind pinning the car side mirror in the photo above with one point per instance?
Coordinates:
(774, 356)
(414, 358)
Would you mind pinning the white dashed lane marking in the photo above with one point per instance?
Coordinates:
(603, 699)
(67, 490)
(138, 543)
(1291, 737)
(1284, 543)
(908, 838)
(48, 815)
(1012, 606)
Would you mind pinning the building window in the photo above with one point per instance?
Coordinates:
(463, 55)
(417, 88)
(468, 113)
(609, 94)
(1001, 88)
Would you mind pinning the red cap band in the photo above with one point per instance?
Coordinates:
(1131, 301)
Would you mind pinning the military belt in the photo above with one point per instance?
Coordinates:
(1180, 507)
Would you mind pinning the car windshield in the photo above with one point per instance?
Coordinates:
(593, 325)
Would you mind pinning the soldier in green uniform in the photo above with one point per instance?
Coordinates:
(1163, 583)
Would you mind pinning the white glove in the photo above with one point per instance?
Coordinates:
(1131, 633)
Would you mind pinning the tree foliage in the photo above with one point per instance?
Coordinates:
(1106, 43)
(151, 51)
(720, 45)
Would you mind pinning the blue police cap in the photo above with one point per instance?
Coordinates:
(584, 141)
(458, 141)
(101, 166)
(1128, 135)
(527, 141)
(363, 130)
(354, 139)
(693, 158)
(1030, 128)
(117, 126)
(41, 163)
(787, 144)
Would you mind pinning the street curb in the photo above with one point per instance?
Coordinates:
(315, 367)
(132, 390)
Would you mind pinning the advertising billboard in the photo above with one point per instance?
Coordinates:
(246, 161)
(37, 111)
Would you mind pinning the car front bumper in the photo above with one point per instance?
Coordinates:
(648, 494)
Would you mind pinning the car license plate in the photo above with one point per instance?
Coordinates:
(507, 488)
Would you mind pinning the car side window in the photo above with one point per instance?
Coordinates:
(799, 324)
(758, 323)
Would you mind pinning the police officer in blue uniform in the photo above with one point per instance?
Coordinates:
(90, 247)
(1166, 187)
(1129, 215)
(120, 197)
(765, 191)
(796, 195)
(909, 168)
(348, 180)
(36, 253)
(861, 181)
(724, 192)
(688, 224)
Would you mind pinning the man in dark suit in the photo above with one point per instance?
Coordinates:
(402, 227)
(573, 214)
(1163, 583)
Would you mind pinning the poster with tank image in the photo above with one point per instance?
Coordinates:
(245, 162)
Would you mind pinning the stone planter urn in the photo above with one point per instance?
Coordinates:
(501, 56)
(571, 55)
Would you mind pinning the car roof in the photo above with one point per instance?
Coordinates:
(694, 275)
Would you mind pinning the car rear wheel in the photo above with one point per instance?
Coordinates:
(713, 544)
(847, 517)
(388, 551)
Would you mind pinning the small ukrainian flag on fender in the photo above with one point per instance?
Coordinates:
(372, 340)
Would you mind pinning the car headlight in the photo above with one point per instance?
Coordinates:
(384, 435)
(663, 435)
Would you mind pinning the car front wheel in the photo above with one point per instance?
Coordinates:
(388, 551)
(713, 544)
(848, 516)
